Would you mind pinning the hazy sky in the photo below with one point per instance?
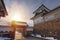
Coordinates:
(25, 8)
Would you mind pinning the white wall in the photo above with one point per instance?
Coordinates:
(52, 16)
(38, 20)
(57, 15)
(47, 18)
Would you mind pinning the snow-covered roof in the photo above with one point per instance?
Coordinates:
(4, 23)
(20, 23)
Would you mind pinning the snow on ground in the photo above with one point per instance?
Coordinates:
(36, 35)
(4, 38)
(39, 36)
(50, 38)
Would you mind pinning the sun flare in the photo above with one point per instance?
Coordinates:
(16, 17)
(17, 12)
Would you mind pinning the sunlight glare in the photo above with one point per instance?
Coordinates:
(16, 17)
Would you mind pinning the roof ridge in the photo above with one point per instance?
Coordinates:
(40, 7)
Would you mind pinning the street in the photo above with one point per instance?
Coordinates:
(18, 36)
(33, 38)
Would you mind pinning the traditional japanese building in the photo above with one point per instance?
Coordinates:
(3, 11)
(20, 27)
(5, 28)
(46, 22)
(39, 13)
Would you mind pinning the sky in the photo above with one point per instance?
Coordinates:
(25, 8)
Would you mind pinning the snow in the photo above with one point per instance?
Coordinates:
(4, 23)
(50, 38)
(39, 36)
(22, 24)
(4, 38)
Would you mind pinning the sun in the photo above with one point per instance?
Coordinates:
(16, 17)
(16, 13)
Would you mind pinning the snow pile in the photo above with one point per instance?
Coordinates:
(50, 38)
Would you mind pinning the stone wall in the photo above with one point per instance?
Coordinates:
(48, 28)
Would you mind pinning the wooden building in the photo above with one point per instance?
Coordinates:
(47, 22)
(6, 30)
(3, 11)
(21, 27)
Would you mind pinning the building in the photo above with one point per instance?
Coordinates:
(20, 27)
(3, 11)
(47, 22)
(6, 30)
(29, 30)
(39, 13)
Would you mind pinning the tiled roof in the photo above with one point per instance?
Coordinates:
(3, 10)
(47, 12)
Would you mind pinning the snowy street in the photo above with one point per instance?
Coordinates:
(18, 36)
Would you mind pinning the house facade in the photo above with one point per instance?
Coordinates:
(46, 22)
